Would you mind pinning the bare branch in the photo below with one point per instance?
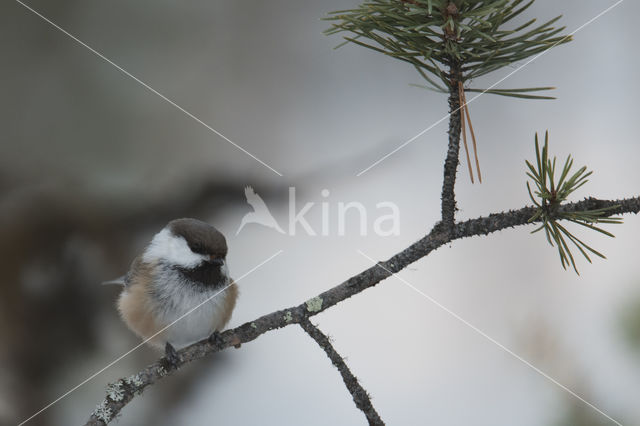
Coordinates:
(360, 396)
(123, 391)
(451, 161)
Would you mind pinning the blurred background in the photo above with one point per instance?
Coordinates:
(92, 164)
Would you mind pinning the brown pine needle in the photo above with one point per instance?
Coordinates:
(462, 124)
(473, 136)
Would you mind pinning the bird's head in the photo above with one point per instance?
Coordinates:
(192, 247)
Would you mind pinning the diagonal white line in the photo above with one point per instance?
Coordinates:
(145, 85)
(145, 341)
(492, 340)
(491, 87)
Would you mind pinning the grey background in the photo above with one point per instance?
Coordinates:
(84, 143)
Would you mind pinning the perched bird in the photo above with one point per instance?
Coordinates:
(260, 213)
(182, 267)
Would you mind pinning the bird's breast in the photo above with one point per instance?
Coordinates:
(191, 312)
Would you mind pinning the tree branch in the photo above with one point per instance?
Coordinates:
(360, 396)
(451, 161)
(123, 391)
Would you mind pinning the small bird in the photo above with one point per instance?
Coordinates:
(260, 213)
(182, 267)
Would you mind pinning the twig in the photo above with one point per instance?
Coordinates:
(451, 161)
(123, 391)
(360, 396)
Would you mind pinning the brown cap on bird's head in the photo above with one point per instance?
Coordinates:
(201, 237)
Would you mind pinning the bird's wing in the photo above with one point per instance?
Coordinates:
(254, 199)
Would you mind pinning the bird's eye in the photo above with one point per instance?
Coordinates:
(197, 248)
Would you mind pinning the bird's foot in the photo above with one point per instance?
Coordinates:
(216, 339)
(171, 357)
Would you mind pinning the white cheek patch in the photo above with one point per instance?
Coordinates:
(173, 249)
(224, 270)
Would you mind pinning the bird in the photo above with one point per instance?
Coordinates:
(178, 291)
(260, 213)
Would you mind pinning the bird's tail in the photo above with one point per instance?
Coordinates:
(117, 281)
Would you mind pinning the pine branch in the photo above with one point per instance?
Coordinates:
(451, 162)
(550, 192)
(360, 396)
(119, 394)
(430, 34)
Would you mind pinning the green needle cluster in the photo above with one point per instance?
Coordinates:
(472, 37)
(549, 194)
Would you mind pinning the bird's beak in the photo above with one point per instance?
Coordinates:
(216, 260)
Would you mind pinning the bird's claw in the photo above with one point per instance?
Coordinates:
(171, 356)
(216, 339)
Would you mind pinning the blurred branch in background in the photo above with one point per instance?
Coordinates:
(630, 324)
(56, 245)
(543, 343)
